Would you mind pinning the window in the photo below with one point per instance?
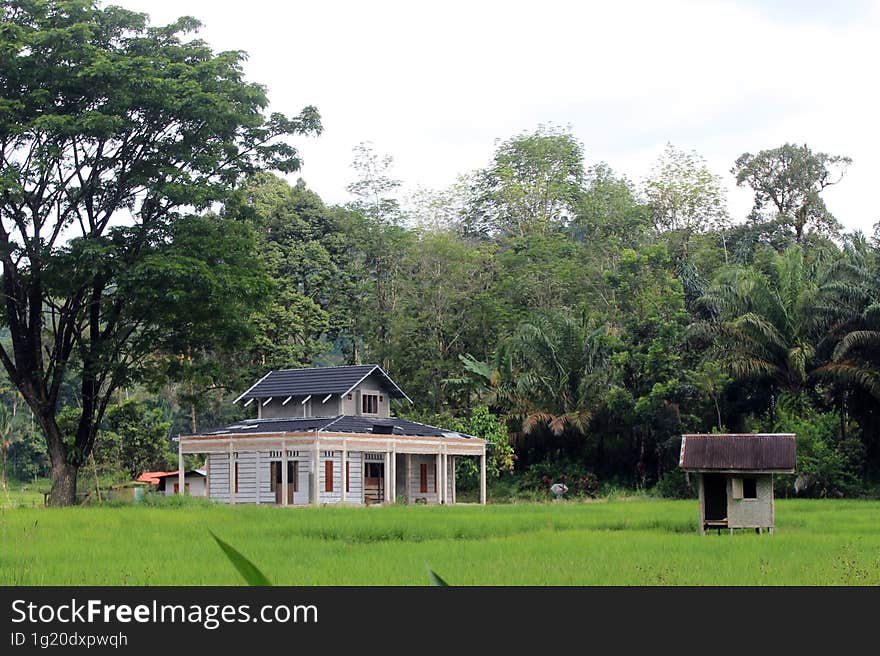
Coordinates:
(750, 488)
(275, 475)
(423, 478)
(328, 476)
(347, 472)
(236, 478)
(370, 404)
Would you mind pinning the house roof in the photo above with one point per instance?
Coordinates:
(152, 477)
(336, 424)
(739, 452)
(317, 380)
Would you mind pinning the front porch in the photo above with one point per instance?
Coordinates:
(307, 469)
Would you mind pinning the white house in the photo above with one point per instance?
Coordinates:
(326, 435)
(195, 483)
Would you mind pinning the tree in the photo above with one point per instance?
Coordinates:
(770, 325)
(532, 185)
(6, 437)
(789, 179)
(110, 130)
(684, 196)
(135, 439)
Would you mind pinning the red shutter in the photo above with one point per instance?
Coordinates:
(236, 478)
(328, 476)
(347, 468)
(423, 478)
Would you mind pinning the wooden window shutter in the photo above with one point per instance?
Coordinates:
(423, 478)
(236, 477)
(328, 476)
(347, 473)
(737, 487)
(295, 465)
(274, 475)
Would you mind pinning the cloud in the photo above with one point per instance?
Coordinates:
(435, 85)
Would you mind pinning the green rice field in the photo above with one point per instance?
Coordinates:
(618, 542)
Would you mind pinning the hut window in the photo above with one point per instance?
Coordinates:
(328, 476)
(750, 488)
(370, 404)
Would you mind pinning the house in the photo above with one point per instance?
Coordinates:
(736, 476)
(195, 483)
(326, 435)
(168, 483)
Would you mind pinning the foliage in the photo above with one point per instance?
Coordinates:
(541, 475)
(135, 439)
(104, 117)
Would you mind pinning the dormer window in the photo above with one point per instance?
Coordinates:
(370, 404)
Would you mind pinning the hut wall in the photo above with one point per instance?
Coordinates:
(750, 513)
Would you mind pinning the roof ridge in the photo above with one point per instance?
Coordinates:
(339, 366)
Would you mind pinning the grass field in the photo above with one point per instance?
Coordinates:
(624, 542)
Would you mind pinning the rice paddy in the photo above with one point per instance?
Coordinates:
(617, 542)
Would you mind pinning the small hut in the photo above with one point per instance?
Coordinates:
(736, 476)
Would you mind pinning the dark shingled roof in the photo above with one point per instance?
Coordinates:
(741, 452)
(337, 424)
(317, 380)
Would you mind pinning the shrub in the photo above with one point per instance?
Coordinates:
(674, 485)
(581, 481)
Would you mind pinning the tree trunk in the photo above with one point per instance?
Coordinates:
(63, 484)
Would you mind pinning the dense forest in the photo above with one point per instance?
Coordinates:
(579, 319)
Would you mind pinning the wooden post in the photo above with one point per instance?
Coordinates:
(483, 477)
(181, 479)
(208, 477)
(231, 475)
(343, 468)
(316, 464)
(283, 473)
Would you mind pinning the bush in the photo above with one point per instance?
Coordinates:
(674, 485)
(581, 481)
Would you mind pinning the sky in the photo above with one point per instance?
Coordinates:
(438, 85)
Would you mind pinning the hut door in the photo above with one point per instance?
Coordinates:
(714, 497)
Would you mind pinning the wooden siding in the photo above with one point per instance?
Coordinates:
(374, 384)
(294, 408)
(414, 493)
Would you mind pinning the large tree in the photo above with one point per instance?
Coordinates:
(789, 180)
(110, 131)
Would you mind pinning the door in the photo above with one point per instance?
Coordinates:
(275, 470)
(714, 497)
(374, 482)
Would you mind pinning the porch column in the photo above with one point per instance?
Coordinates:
(343, 469)
(386, 477)
(393, 457)
(316, 463)
(181, 480)
(231, 475)
(452, 469)
(283, 473)
(441, 476)
(483, 477)
(257, 476)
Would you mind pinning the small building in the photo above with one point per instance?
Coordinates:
(195, 483)
(736, 476)
(327, 435)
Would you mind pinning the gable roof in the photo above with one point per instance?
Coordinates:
(318, 380)
(739, 451)
(337, 424)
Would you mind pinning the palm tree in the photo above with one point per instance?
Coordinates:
(780, 325)
(557, 368)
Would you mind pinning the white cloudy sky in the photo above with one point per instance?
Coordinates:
(436, 84)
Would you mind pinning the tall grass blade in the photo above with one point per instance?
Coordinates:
(436, 580)
(250, 572)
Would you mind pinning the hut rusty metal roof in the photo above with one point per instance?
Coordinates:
(738, 452)
(337, 424)
(317, 380)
